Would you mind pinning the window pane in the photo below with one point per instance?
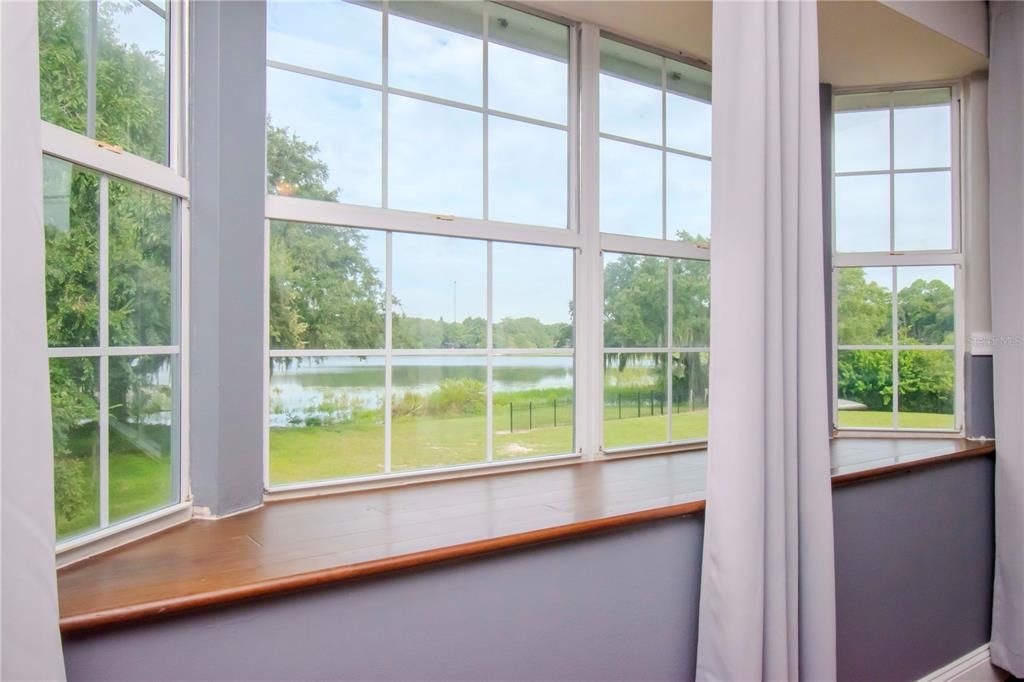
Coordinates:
(635, 397)
(691, 303)
(635, 301)
(527, 64)
(926, 389)
(688, 123)
(74, 402)
(630, 92)
(326, 286)
(689, 198)
(865, 306)
(439, 286)
(131, 77)
(323, 139)
(439, 411)
(63, 64)
(862, 141)
(326, 418)
(437, 50)
(923, 211)
(528, 166)
(336, 37)
(925, 305)
(71, 214)
(921, 128)
(533, 401)
(865, 388)
(862, 213)
(142, 291)
(630, 189)
(532, 310)
(435, 158)
(143, 435)
(690, 372)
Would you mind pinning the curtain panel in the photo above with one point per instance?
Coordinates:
(1006, 241)
(30, 645)
(767, 605)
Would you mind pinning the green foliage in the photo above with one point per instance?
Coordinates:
(454, 397)
(529, 332)
(926, 313)
(865, 376)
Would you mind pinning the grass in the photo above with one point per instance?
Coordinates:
(883, 420)
(141, 482)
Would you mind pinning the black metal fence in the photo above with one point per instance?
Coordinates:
(527, 415)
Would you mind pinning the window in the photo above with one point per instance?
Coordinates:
(114, 259)
(421, 310)
(897, 258)
(655, 183)
(450, 108)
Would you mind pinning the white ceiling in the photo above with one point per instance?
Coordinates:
(861, 42)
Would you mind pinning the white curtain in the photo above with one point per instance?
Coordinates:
(30, 646)
(1006, 241)
(767, 605)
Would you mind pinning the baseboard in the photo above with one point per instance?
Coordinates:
(975, 666)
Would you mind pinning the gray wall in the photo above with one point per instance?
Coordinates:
(914, 573)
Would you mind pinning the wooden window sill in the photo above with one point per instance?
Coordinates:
(297, 544)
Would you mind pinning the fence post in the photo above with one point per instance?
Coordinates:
(652, 403)
(510, 417)
(638, 403)
(554, 404)
(620, 404)
(531, 417)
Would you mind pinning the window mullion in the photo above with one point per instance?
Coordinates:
(104, 339)
(388, 348)
(489, 389)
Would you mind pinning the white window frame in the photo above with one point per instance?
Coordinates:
(893, 259)
(110, 162)
(583, 236)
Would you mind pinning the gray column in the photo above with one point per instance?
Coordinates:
(227, 325)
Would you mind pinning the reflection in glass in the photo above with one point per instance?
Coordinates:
(688, 124)
(635, 399)
(635, 301)
(925, 305)
(862, 213)
(326, 286)
(341, 38)
(865, 388)
(861, 140)
(342, 122)
(439, 286)
(630, 92)
(438, 411)
(528, 170)
(630, 189)
(326, 418)
(74, 403)
(141, 282)
(689, 198)
(927, 389)
(533, 406)
(691, 303)
(864, 313)
(690, 373)
(435, 158)
(143, 417)
(71, 217)
(131, 78)
(527, 65)
(430, 59)
(533, 311)
(923, 211)
(63, 63)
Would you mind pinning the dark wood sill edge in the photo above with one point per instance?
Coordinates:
(144, 611)
(84, 622)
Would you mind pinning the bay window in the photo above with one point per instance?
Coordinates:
(897, 292)
(115, 208)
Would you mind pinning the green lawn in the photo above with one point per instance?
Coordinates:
(141, 482)
(883, 420)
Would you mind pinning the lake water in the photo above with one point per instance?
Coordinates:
(336, 385)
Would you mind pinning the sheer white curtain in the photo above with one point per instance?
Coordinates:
(1006, 246)
(767, 606)
(30, 647)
